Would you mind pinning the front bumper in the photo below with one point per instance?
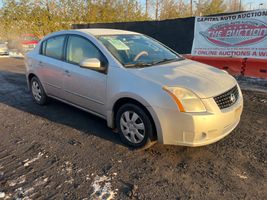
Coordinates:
(197, 129)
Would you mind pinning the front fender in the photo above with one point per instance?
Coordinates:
(141, 100)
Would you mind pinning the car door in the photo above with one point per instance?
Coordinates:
(51, 65)
(82, 86)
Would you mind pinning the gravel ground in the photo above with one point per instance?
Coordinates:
(59, 152)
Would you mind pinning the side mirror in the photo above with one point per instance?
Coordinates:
(92, 63)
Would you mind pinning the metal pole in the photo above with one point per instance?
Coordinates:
(240, 5)
(146, 7)
(157, 9)
(191, 7)
(126, 9)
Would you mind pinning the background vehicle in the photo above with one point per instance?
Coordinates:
(23, 44)
(29, 42)
(3, 47)
(141, 87)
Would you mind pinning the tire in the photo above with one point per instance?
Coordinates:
(134, 125)
(37, 91)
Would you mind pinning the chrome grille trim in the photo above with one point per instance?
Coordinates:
(228, 98)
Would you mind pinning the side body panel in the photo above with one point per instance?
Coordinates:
(85, 87)
(50, 71)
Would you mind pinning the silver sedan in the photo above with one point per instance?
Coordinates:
(142, 88)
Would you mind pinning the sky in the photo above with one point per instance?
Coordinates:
(246, 3)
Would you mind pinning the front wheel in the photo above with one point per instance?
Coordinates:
(37, 91)
(134, 125)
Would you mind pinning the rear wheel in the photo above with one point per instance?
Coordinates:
(134, 125)
(37, 91)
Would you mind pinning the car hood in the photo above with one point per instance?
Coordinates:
(203, 80)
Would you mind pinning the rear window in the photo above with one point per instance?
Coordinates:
(53, 47)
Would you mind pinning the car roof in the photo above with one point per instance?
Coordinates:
(103, 31)
(93, 32)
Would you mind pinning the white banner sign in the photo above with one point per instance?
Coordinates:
(238, 35)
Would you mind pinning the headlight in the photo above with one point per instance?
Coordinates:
(186, 100)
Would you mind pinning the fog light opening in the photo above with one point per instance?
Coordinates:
(204, 135)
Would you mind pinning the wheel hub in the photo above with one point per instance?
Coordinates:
(36, 91)
(132, 127)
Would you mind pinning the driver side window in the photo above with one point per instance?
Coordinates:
(79, 48)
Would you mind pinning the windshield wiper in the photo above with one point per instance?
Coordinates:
(145, 64)
(167, 61)
(138, 64)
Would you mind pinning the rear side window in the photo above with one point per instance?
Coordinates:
(53, 47)
(43, 48)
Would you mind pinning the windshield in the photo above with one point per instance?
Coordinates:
(138, 50)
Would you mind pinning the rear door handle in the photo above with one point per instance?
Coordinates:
(41, 63)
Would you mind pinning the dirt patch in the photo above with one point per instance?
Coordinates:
(59, 152)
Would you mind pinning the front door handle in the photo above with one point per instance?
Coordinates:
(67, 72)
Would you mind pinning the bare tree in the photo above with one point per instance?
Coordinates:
(234, 5)
(156, 6)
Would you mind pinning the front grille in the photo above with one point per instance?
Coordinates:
(228, 98)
